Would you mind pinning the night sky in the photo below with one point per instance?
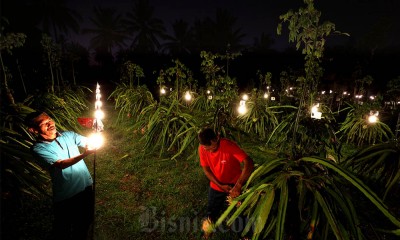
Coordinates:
(356, 17)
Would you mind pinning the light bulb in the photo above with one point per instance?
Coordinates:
(99, 114)
(242, 107)
(314, 109)
(372, 119)
(98, 104)
(188, 96)
(95, 141)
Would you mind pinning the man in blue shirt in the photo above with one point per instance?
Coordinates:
(73, 195)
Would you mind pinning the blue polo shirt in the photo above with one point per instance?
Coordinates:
(71, 180)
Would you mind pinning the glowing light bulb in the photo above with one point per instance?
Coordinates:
(98, 126)
(245, 97)
(95, 141)
(188, 96)
(315, 113)
(98, 104)
(314, 108)
(242, 107)
(162, 91)
(373, 117)
(99, 114)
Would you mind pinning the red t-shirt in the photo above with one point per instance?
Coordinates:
(224, 163)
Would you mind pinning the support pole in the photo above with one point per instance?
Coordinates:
(98, 128)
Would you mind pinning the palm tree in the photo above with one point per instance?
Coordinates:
(203, 31)
(263, 44)
(77, 57)
(216, 35)
(55, 17)
(182, 40)
(108, 31)
(147, 30)
(226, 32)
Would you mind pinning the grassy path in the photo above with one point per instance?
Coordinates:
(142, 197)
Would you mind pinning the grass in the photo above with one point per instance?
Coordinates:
(140, 196)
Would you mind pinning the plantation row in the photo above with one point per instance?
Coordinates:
(310, 170)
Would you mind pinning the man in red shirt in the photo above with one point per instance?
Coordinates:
(222, 160)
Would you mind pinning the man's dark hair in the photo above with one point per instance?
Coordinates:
(30, 119)
(206, 135)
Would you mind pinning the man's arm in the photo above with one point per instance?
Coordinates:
(246, 172)
(71, 161)
(212, 178)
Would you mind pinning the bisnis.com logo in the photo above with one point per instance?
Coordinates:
(152, 220)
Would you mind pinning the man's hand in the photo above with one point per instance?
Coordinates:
(226, 188)
(235, 191)
(89, 151)
(246, 172)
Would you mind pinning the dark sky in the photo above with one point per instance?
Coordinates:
(356, 17)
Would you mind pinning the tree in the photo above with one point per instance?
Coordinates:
(108, 31)
(8, 42)
(77, 57)
(310, 35)
(55, 17)
(226, 32)
(147, 30)
(181, 41)
(216, 35)
(263, 43)
(203, 36)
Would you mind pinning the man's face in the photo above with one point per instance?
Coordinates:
(45, 127)
(213, 147)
